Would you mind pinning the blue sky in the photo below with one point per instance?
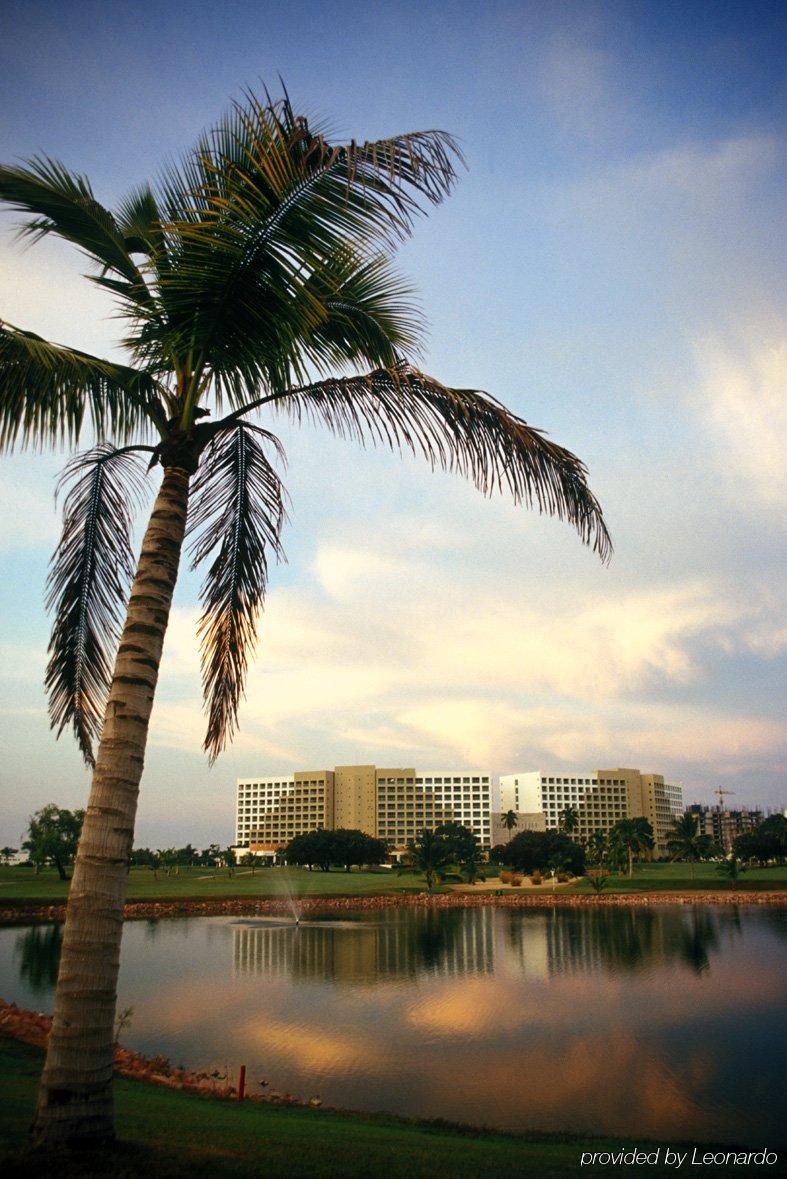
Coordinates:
(611, 267)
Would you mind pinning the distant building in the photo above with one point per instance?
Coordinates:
(724, 826)
(601, 798)
(391, 804)
(524, 822)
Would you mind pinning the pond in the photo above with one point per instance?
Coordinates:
(661, 1022)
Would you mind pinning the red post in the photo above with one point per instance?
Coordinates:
(242, 1083)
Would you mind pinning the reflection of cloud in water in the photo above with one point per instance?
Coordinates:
(663, 1023)
(313, 1047)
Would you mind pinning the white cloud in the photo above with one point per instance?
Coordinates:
(743, 397)
(387, 656)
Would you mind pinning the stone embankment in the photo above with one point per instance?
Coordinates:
(28, 912)
(32, 1028)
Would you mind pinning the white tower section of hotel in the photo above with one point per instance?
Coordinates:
(600, 797)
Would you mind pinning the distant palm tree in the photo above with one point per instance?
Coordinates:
(510, 820)
(597, 847)
(685, 842)
(631, 837)
(568, 820)
(257, 264)
(472, 870)
(430, 854)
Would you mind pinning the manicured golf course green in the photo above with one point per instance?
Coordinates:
(22, 884)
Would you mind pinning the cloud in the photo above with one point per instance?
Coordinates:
(387, 655)
(742, 394)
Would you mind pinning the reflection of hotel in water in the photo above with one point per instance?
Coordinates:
(540, 944)
(442, 943)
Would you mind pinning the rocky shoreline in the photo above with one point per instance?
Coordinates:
(25, 913)
(32, 1027)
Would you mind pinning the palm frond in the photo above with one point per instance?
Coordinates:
(47, 390)
(89, 579)
(262, 203)
(57, 201)
(237, 507)
(365, 316)
(461, 430)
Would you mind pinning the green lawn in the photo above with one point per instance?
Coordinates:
(22, 884)
(677, 877)
(172, 1135)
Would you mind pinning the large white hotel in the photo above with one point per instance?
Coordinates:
(393, 804)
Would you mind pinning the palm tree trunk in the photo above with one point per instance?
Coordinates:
(75, 1097)
(631, 862)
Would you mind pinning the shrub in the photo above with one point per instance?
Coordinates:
(562, 877)
(535, 877)
(505, 877)
(516, 881)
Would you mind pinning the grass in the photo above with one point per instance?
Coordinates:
(203, 883)
(174, 1135)
(677, 878)
(22, 884)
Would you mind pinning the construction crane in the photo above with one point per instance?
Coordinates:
(721, 793)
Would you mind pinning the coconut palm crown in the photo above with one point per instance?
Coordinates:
(253, 277)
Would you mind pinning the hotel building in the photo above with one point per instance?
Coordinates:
(600, 798)
(391, 804)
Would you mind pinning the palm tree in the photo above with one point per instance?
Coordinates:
(568, 820)
(429, 853)
(685, 842)
(251, 274)
(597, 847)
(631, 837)
(510, 820)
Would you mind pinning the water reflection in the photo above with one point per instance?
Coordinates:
(405, 944)
(38, 950)
(541, 944)
(658, 1021)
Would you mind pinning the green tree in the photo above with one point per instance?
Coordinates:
(543, 850)
(260, 261)
(168, 859)
(459, 841)
(310, 848)
(730, 867)
(771, 839)
(350, 847)
(510, 820)
(53, 836)
(431, 854)
(597, 847)
(568, 820)
(471, 868)
(686, 842)
(630, 838)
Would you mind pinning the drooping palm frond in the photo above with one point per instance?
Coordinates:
(461, 430)
(47, 390)
(87, 587)
(61, 202)
(237, 506)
